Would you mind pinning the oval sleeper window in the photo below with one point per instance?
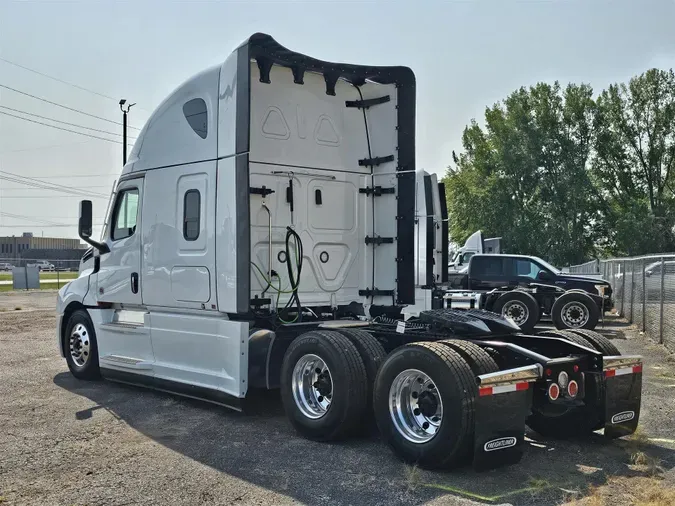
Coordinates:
(196, 116)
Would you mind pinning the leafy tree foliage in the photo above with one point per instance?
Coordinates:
(566, 176)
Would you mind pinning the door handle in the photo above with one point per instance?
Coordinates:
(134, 282)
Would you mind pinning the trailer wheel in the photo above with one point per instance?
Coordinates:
(478, 359)
(559, 422)
(424, 400)
(80, 346)
(372, 353)
(599, 342)
(323, 385)
(520, 307)
(575, 310)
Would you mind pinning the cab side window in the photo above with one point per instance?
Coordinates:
(527, 268)
(125, 214)
(191, 215)
(487, 267)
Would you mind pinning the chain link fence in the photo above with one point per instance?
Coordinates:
(53, 273)
(644, 291)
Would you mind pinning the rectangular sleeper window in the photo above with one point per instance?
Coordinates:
(191, 215)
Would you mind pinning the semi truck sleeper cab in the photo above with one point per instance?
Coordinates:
(262, 235)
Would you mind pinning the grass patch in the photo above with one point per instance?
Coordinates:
(7, 276)
(535, 486)
(49, 286)
(638, 491)
(413, 477)
(638, 438)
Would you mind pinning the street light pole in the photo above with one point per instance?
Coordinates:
(123, 102)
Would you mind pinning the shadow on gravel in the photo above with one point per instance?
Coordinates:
(261, 448)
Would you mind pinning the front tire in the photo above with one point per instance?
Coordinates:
(80, 346)
(424, 401)
(323, 386)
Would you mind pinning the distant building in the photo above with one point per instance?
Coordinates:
(18, 246)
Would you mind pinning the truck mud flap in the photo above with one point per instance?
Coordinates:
(504, 401)
(623, 393)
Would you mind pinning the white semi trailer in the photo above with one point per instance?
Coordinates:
(262, 235)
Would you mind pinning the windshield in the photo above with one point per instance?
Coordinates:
(548, 266)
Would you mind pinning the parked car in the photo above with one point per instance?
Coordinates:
(523, 288)
(6, 266)
(653, 279)
(42, 265)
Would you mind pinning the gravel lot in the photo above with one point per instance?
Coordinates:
(68, 442)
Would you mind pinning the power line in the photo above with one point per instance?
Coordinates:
(58, 188)
(61, 80)
(60, 128)
(63, 106)
(36, 183)
(2, 189)
(111, 174)
(38, 148)
(36, 180)
(63, 122)
(29, 218)
(49, 197)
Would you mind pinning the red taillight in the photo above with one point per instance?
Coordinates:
(576, 368)
(548, 372)
(553, 391)
(572, 389)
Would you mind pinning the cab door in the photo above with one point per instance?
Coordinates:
(118, 279)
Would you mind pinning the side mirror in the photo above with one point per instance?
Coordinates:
(84, 226)
(544, 276)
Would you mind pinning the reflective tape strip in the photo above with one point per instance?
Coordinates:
(610, 373)
(516, 387)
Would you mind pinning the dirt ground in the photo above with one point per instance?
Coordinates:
(69, 442)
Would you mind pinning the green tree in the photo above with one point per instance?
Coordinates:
(634, 164)
(524, 176)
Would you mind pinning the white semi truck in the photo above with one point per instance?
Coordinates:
(262, 236)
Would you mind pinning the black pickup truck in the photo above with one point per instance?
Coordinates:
(523, 288)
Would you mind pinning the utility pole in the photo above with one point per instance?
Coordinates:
(123, 102)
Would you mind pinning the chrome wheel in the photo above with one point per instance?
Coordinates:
(80, 346)
(415, 406)
(516, 311)
(574, 314)
(312, 386)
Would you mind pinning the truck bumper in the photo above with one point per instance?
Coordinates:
(505, 401)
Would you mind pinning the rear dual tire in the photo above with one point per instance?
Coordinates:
(424, 400)
(424, 394)
(324, 386)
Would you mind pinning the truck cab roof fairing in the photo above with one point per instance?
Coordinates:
(167, 138)
(267, 52)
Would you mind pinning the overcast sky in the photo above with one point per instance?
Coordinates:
(466, 55)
